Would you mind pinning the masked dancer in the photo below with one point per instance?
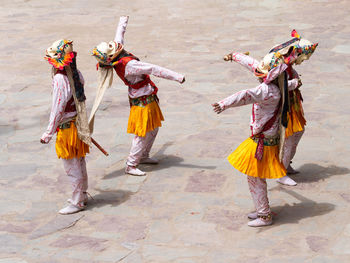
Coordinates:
(68, 118)
(145, 115)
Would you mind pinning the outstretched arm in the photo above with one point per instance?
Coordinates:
(59, 102)
(119, 34)
(246, 61)
(135, 67)
(243, 97)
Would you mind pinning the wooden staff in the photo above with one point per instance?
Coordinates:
(99, 147)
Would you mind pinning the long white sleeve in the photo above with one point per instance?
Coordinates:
(244, 97)
(138, 68)
(61, 95)
(119, 34)
(246, 61)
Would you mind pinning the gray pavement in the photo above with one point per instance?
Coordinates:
(192, 206)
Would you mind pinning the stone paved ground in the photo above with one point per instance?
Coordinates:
(191, 207)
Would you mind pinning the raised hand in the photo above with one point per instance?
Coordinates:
(125, 17)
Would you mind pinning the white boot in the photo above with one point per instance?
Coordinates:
(253, 215)
(134, 171)
(70, 209)
(85, 201)
(148, 160)
(261, 221)
(286, 180)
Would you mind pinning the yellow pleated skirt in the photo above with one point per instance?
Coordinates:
(143, 119)
(68, 145)
(296, 121)
(243, 159)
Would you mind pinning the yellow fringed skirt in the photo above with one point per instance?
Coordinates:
(68, 145)
(243, 159)
(296, 121)
(143, 119)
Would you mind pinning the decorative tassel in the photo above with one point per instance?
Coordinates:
(260, 149)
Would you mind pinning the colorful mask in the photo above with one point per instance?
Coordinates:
(302, 49)
(60, 53)
(106, 52)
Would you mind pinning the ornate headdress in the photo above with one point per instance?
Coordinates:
(60, 53)
(105, 52)
(295, 50)
(270, 61)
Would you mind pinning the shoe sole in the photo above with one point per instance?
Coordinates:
(261, 225)
(70, 213)
(286, 184)
(136, 174)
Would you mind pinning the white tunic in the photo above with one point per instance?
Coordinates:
(265, 99)
(61, 94)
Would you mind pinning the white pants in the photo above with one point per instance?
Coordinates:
(77, 174)
(141, 146)
(290, 147)
(258, 190)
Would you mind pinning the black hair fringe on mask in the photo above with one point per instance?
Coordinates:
(285, 106)
(79, 87)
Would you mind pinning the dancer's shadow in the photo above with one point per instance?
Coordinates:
(292, 214)
(111, 198)
(312, 172)
(114, 174)
(165, 161)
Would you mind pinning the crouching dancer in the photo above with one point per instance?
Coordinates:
(145, 115)
(68, 118)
